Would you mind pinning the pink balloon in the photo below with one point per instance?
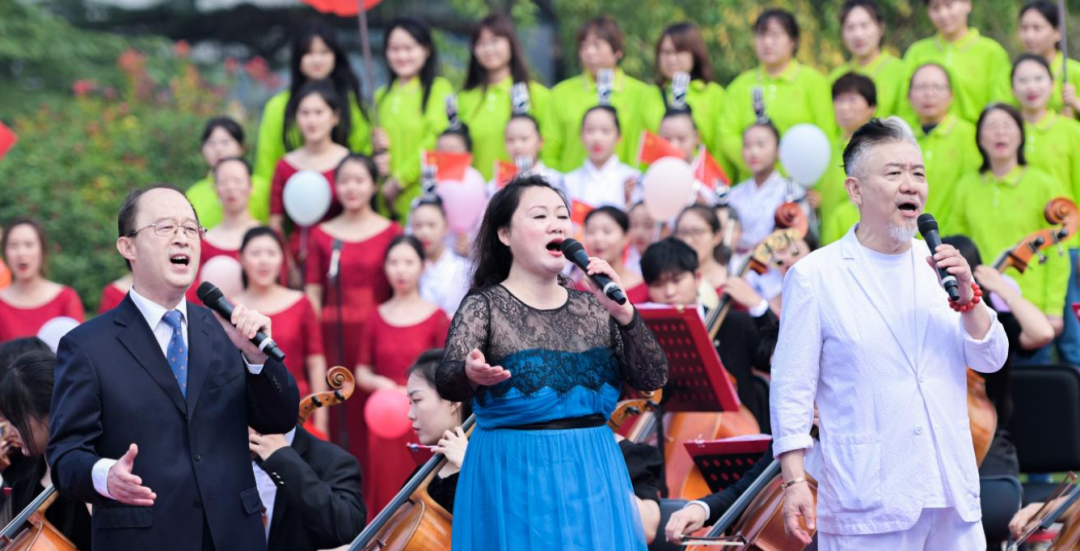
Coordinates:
(225, 272)
(464, 202)
(387, 413)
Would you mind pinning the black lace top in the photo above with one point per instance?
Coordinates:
(575, 347)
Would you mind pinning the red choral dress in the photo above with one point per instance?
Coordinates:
(389, 350)
(111, 297)
(18, 322)
(298, 335)
(363, 288)
(282, 173)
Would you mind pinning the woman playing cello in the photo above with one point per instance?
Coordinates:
(542, 396)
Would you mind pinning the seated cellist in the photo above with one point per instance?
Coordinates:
(310, 489)
(26, 387)
(437, 422)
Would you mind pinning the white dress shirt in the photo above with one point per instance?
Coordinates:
(757, 204)
(602, 186)
(153, 313)
(268, 487)
(446, 281)
(889, 413)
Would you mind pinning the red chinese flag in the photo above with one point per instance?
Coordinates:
(708, 172)
(448, 166)
(653, 148)
(7, 140)
(504, 172)
(578, 212)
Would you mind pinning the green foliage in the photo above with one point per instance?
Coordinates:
(77, 159)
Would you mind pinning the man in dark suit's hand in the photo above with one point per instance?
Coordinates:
(125, 486)
(241, 328)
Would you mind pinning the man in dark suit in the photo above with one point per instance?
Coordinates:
(311, 490)
(163, 380)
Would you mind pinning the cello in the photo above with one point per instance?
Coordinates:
(688, 483)
(30, 531)
(1062, 213)
(412, 521)
(342, 386)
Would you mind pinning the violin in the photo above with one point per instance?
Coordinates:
(792, 226)
(342, 384)
(30, 531)
(412, 521)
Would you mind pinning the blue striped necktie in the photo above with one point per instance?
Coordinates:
(177, 354)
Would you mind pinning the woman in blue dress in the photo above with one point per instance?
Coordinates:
(544, 366)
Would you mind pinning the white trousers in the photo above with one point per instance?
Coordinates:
(936, 530)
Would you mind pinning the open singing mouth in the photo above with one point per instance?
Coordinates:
(181, 259)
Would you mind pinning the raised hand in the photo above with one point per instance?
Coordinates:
(126, 487)
(481, 373)
(241, 328)
(623, 313)
(453, 445)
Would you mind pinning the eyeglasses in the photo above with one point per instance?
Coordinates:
(692, 233)
(169, 229)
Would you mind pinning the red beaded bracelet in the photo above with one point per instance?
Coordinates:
(962, 308)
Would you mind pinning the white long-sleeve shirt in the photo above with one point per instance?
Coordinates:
(602, 186)
(895, 433)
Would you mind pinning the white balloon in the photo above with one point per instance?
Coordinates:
(805, 152)
(224, 272)
(55, 329)
(307, 197)
(669, 187)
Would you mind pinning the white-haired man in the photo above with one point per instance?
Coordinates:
(869, 335)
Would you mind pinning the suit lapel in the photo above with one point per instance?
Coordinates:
(199, 353)
(138, 338)
(857, 265)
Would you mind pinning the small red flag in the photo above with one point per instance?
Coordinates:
(504, 172)
(578, 212)
(448, 166)
(653, 148)
(7, 140)
(708, 172)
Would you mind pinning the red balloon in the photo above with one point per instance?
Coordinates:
(387, 413)
(344, 8)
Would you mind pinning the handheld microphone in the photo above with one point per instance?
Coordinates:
(929, 231)
(335, 261)
(213, 298)
(574, 252)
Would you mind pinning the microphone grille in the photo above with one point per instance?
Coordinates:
(570, 246)
(927, 223)
(208, 292)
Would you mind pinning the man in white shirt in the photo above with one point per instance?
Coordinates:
(869, 335)
(153, 399)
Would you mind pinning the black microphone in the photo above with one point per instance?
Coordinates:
(574, 252)
(335, 260)
(928, 229)
(213, 298)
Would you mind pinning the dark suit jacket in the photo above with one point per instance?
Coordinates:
(114, 387)
(318, 503)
